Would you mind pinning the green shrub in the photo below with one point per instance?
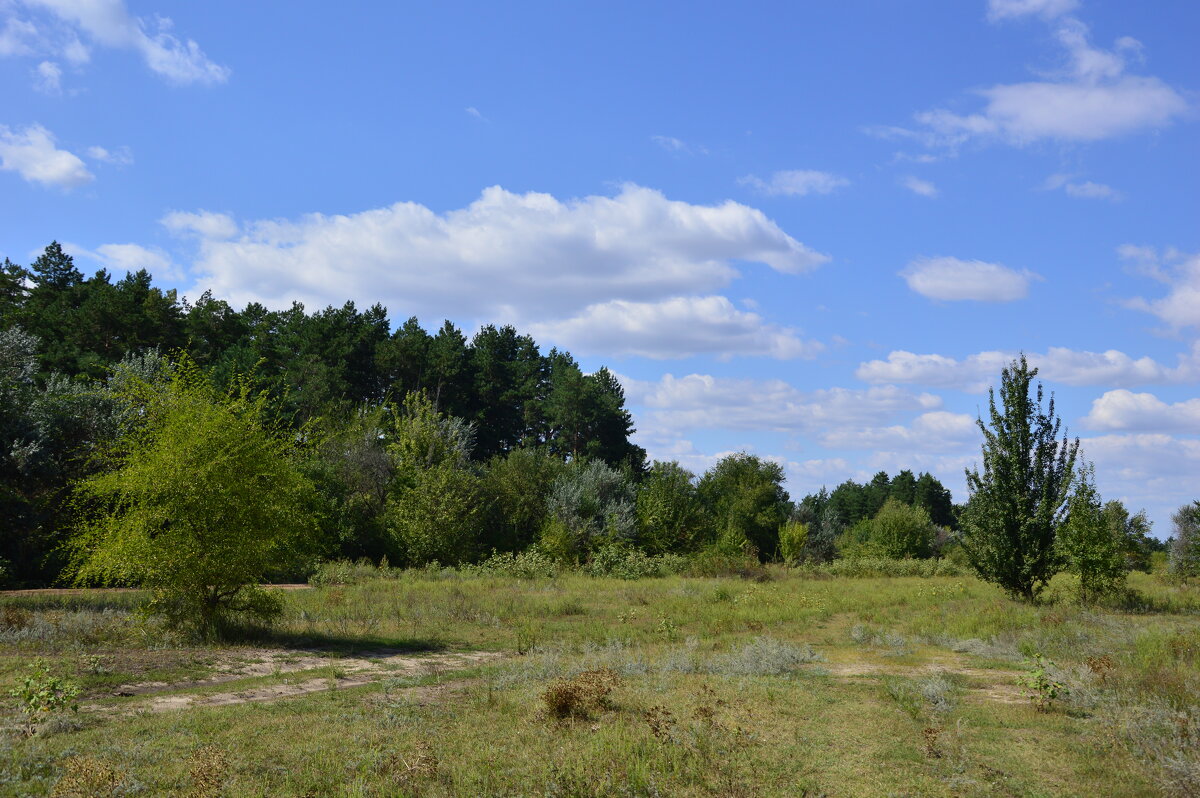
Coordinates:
(793, 537)
(42, 696)
(669, 512)
(204, 499)
(869, 567)
(532, 563)
(345, 572)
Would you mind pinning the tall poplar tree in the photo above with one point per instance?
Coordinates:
(1017, 503)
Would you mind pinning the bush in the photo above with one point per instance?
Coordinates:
(579, 697)
(1185, 542)
(590, 505)
(897, 531)
(345, 572)
(745, 496)
(204, 500)
(437, 516)
(670, 515)
(793, 537)
(1090, 544)
(529, 564)
(41, 696)
(516, 488)
(624, 563)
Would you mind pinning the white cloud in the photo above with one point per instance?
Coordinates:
(796, 183)
(952, 279)
(205, 224)
(672, 144)
(1180, 272)
(132, 257)
(122, 156)
(1151, 470)
(108, 23)
(676, 327)
(1124, 411)
(121, 258)
(938, 430)
(505, 256)
(18, 37)
(1081, 190)
(1058, 364)
(702, 401)
(47, 78)
(473, 111)
(1090, 190)
(32, 154)
(1009, 9)
(1092, 97)
(920, 187)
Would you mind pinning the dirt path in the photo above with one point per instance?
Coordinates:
(997, 685)
(343, 672)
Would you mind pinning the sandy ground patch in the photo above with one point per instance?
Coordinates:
(344, 672)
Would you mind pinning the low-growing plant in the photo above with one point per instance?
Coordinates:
(41, 696)
(766, 656)
(89, 777)
(1043, 688)
(533, 563)
(208, 767)
(581, 696)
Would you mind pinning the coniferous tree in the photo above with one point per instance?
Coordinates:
(1017, 503)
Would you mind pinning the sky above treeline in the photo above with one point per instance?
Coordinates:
(811, 231)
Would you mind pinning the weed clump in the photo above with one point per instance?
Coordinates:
(765, 656)
(89, 777)
(209, 771)
(581, 696)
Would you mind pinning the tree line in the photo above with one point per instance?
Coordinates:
(148, 440)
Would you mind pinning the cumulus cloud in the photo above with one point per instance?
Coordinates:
(1090, 98)
(33, 154)
(1058, 364)
(505, 256)
(1151, 470)
(205, 224)
(47, 78)
(796, 183)
(702, 401)
(938, 430)
(920, 187)
(132, 257)
(1125, 411)
(953, 279)
(107, 23)
(676, 327)
(1180, 271)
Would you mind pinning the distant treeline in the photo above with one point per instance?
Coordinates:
(418, 447)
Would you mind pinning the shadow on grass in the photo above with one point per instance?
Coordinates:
(345, 645)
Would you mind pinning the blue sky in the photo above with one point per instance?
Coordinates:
(813, 231)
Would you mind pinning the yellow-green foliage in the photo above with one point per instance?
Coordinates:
(792, 537)
(203, 499)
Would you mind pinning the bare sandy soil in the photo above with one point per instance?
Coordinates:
(343, 672)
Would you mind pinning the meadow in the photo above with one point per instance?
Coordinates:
(775, 682)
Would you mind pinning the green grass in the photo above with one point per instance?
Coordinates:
(805, 684)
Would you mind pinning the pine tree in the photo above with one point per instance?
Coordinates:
(1017, 502)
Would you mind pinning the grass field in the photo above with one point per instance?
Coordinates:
(437, 683)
